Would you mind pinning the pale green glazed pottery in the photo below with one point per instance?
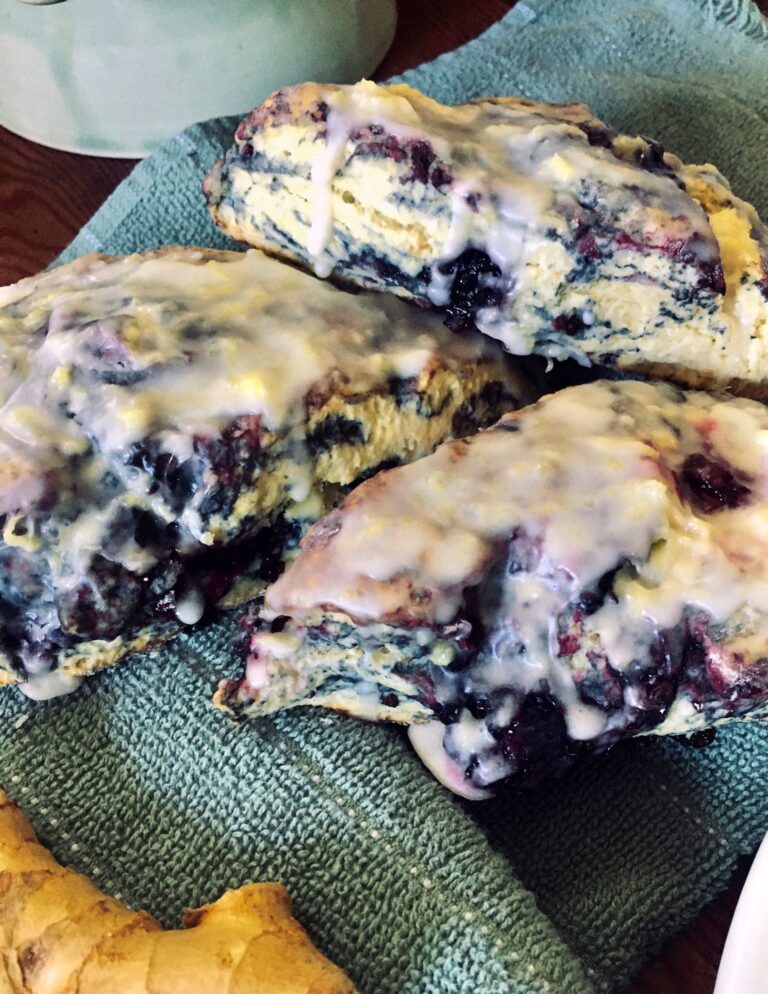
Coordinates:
(118, 77)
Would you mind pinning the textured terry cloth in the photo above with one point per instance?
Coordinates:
(138, 782)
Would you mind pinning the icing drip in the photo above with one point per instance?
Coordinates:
(190, 607)
(427, 739)
(46, 686)
(520, 171)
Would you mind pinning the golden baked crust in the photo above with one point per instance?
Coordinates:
(59, 933)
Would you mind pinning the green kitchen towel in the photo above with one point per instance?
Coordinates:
(139, 783)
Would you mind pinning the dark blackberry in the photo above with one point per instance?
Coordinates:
(447, 712)
(441, 176)
(387, 272)
(335, 429)
(585, 242)
(650, 157)
(21, 579)
(711, 486)
(318, 113)
(142, 455)
(164, 578)
(277, 110)
(150, 531)
(712, 277)
(598, 134)
(272, 543)
(655, 678)
(479, 707)
(242, 445)
(602, 687)
(469, 287)
(569, 324)
(182, 481)
(101, 605)
(422, 156)
(536, 743)
(590, 601)
(376, 145)
(219, 500)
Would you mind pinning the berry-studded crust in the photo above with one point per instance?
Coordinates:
(536, 223)
(592, 568)
(173, 421)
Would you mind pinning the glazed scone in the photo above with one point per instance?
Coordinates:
(171, 422)
(591, 568)
(534, 222)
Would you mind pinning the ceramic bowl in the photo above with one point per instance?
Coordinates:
(118, 77)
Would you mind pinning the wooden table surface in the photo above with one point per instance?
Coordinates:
(46, 196)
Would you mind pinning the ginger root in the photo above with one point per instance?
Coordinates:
(59, 934)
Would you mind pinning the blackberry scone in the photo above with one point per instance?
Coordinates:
(534, 222)
(171, 422)
(591, 568)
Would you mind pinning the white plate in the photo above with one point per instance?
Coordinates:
(744, 965)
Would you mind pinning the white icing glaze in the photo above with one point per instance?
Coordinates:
(190, 607)
(494, 155)
(427, 740)
(612, 228)
(218, 338)
(46, 686)
(324, 169)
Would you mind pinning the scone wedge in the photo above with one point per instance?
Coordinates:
(536, 223)
(171, 423)
(592, 568)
